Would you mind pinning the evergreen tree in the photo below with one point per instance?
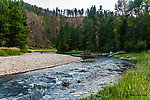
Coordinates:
(82, 12)
(4, 22)
(105, 31)
(76, 12)
(122, 32)
(88, 43)
(13, 26)
(95, 20)
(18, 25)
(106, 36)
(64, 39)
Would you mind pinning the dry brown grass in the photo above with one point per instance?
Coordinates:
(9, 48)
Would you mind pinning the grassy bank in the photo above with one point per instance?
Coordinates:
(134, 84)
(81, 52)
(44, 50)
(13, 51)
(9, 52)
(75, 52)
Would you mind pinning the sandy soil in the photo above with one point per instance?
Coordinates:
(33, 61)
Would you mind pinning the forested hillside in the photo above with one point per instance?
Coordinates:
(128, 29)
(44, 25)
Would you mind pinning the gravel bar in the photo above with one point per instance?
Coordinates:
(31, 62)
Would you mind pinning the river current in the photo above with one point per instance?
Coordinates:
(71, 81)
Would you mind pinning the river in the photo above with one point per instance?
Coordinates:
(71, 81)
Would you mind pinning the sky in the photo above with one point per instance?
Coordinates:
(70, 4)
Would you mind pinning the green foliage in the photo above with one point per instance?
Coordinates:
(88, 36)
(73, 38)
(134, 84)
(129, 47)
(106, 35)
(104, 31)
(10, 52)
(13, 27)
(122, 31)
(141, 45)
(74, 52)
(3, 53)
(63, 43)
(44, 50)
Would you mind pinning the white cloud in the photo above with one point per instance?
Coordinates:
(70, 4)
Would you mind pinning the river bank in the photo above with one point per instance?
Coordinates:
(134, 84)
(32, 61)
(70, 81)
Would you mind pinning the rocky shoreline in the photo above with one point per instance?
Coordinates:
(31, 62)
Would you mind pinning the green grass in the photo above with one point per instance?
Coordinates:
(12, 51)
(134, 84)
(4, 51)
(44, 50)
(9, 52)
(74, 52)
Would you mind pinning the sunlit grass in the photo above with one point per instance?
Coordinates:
(75, 52)
(44, 50)
(134, 84)
(9, 48)
(9, 52)
(12, 51)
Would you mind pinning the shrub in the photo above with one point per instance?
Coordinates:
(12, 52)
(141, 45)
(24, 47)
(31, 48)
(3, 53)
(40, 46)
(135, 47)
(129, 47)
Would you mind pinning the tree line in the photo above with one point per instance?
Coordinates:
(13, 26)
(68, 12)
(127, 28)
(55, 12)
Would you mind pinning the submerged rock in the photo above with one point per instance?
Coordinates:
(65, 84)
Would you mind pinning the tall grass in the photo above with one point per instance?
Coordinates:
(134, 84)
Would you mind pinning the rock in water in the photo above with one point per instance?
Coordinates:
(65, 84)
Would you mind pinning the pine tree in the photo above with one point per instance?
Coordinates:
(13, 27)
(4, 22)
(122, 31)
(87, 38)
(95, 20)
(64, 39)
(18, 25)
(76, 12)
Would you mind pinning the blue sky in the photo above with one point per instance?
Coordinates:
(70, 4)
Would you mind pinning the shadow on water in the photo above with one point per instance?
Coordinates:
(73, 80)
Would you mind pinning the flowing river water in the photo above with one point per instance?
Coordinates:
(71, 81)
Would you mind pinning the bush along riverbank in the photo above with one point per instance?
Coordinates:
(134, 84)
